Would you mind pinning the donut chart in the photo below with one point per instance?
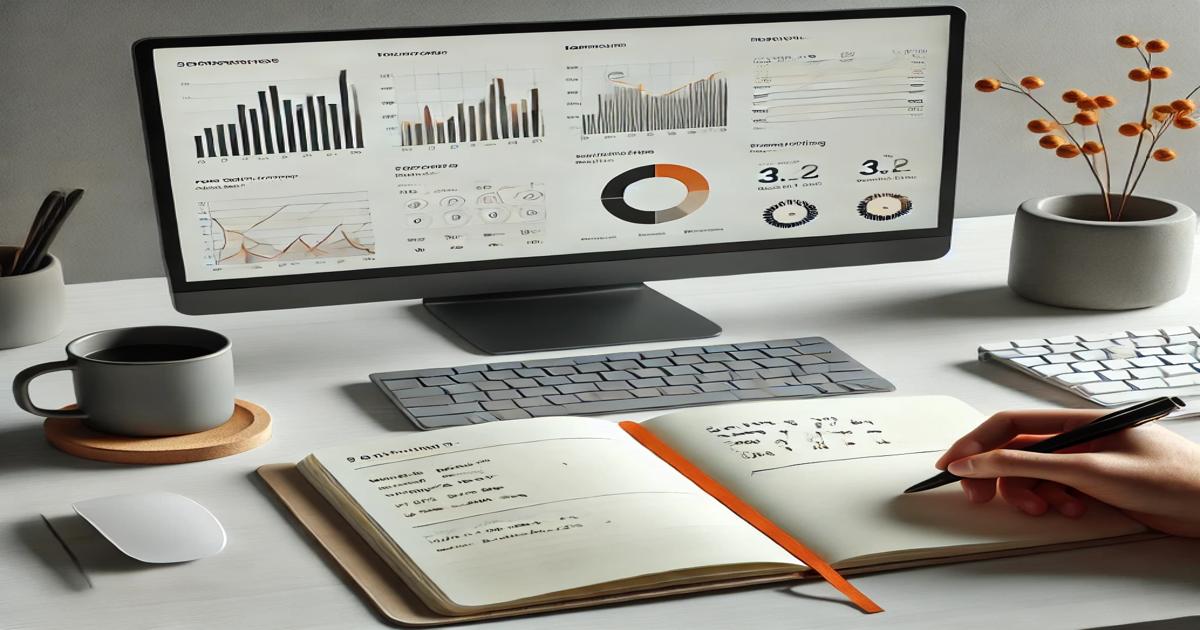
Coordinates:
(884, 207)
(613, 195)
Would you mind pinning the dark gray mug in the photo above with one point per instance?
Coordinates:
(145, 381)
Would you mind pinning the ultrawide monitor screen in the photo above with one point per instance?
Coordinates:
(452, 151)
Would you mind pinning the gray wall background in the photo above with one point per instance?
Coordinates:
(70, 113)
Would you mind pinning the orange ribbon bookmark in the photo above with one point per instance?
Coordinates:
(750, 515)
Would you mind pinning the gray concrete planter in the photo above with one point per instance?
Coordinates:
(1064, 252)
(31, 305)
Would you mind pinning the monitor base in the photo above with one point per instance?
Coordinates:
(575, 318)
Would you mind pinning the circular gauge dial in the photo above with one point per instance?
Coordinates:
(884, 207)
(790, 213)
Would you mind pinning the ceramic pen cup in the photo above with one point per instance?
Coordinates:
(31, 304)
(147, 381)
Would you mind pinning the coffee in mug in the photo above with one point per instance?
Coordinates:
(145, 381)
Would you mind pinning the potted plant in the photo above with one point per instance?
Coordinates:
(1112, 249)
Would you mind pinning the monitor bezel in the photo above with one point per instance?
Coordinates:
(551, 271)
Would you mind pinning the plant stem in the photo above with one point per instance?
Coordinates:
(1125, 190)
(1149, 152)
(1107, 171)
(1091, 166)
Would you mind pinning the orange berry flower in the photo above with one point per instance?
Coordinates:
(1032, 82)
(1073, 96)
(1051, 141)
(987, 85)
(1130, 129)
(1160, 72)
(1040, 125)
(1091, 147)
(1183, 105)
(1164, 109)
(1139, 74)
(1160, 116)
(1088, 104)
(1163, 155)
(1087, 118)
(1186, 122)
(1067, 151)
(1105, 101)
(1157, 45)
(1128, 41)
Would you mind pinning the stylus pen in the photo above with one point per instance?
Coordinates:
(1119, 420)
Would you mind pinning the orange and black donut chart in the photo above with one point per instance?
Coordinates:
(613, 196)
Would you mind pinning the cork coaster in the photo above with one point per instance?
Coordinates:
(247, 428)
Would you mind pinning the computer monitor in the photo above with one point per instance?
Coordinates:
(525, 179)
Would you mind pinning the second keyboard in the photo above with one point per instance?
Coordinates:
(627, 381)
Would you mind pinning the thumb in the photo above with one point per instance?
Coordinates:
(1067, 469)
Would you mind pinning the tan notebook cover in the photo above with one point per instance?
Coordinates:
(397, 604)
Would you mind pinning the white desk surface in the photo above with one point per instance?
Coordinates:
(918, 324)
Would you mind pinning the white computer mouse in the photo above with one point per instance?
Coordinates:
(155, 527)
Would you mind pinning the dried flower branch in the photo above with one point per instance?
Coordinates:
(1154, 123)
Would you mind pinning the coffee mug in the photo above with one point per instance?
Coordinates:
(145, 381)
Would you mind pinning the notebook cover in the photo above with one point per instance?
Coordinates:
(399, 605)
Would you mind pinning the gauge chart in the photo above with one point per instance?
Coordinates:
(296, 227)
(653, 97)
(848, 86)
(884, 207)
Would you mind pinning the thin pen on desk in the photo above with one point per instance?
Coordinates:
(1108, 424)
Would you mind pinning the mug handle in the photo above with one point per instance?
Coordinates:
(21, 390)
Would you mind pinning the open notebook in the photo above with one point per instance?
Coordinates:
(513, 514)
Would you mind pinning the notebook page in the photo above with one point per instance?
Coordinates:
(505, 511)
(833, 472)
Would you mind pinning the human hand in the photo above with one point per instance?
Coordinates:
(1149, 472)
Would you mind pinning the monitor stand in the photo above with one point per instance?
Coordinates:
(508, 323)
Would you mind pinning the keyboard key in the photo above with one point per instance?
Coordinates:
(750, 394)
(471, 369)
(747, 355)
(589, 368)
(612, 386)
(433, 381)
(575, 388)
(459, 388)
(657, 354)
(511, 414)
(417, 392)
(490, 386)
(1117, 364)
(1063, 339)
(992, 347)
(562, 399)
(518, 383)
(1059, 358)
(713, 377)
(584, 378)
(623, 365)
(1087, 366)
(1177, 370)
(1148, 383)
(619, 375)
(775, 373)
(401, 383)
(444, 410)
(564, 370)
(1115, 375)
(647, 392)
(1147, 372)
(1091, 355)
(751, 345)
(471, 397)
(680, 370)
(794, 390)
(533, 401)
(1104, 387)
(647, 372)
(469, 377)
(1052, 369)
(504, 394)
(687, 360)
(497, 405)
(500, 375)
(531, 392)
(1029, 361)
(715, 387)
(1028, 343)
(681, 380)
(841, 377)
(1058, 348)
(648, 382)
(552, 380)
(530, 372)
(552, 364)
(1076, 378)
(599, 396)
(428, 401)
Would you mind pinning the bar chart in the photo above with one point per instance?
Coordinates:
(466, 107)
(654, 97)
(290, 116)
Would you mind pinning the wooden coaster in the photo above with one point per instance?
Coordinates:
(247, 428)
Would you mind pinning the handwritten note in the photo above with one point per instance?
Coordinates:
(780, 437)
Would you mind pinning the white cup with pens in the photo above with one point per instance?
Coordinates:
(32, 294)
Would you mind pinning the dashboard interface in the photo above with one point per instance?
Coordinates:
(344, 155)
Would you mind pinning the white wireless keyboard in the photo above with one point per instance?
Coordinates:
(1110, 369)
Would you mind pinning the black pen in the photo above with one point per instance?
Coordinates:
(1108, 424)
